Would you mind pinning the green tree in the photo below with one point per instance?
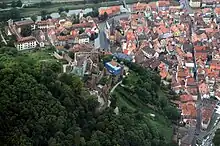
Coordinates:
(13, 4)
(82, 30)
(216, 139)
(60, 10)
(26, 31)
(66, 10)
(3, 5)
(49, 17)
(63, 15)
(34, 18)
(105, 15)
(43, 14)
(19, 3)
(40, 105)
(11, 41)
(14, 14)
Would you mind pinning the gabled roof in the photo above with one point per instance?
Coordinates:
(186, 98)
(163, 3)
(26, 39)
(24, 22)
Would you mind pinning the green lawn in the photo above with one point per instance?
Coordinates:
(133, 103)
(41, 55)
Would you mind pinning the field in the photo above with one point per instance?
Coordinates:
(41, 55)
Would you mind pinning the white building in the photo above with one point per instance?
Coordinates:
(82, 39)
(195, 3)
(47, 24)
(26, 43)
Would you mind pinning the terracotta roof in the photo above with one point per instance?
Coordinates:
(215, 64)
(26, 39)
(163, 3)
(82, 25)
(201, 55)
(109, 10)
(191, 82)
(217, 10)
(65, 38)
(186, 98)
(192, 90)
(140, 6)
(189, 109)
(163, 74)
(24, 22)
(206, 115)
(199, 48)
(153, 5)
(113, 63)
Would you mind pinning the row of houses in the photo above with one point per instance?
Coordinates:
(56, 32)
(178, 45)
(204, 3)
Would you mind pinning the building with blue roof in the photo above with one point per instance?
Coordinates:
(113, 67)
(123, 56)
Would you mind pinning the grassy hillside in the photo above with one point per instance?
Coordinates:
(141, 92)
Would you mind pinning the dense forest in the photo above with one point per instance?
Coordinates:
(40, 106)
(216, 139)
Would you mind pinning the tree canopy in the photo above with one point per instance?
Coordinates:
(11, 14)
(26, 31)
(41, 106)
(216, 139)
(34, 18)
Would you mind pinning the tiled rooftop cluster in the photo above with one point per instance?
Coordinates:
(178, 45)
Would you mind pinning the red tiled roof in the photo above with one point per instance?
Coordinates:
(163, 3)
(26, 39)
(153, 5)
(206, 114)
(199, 48)
(24, 22)
(217, 10)
(186, 98)
(189, 109)
(191, 82)
(82, 25)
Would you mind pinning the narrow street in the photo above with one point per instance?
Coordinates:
(199, 102)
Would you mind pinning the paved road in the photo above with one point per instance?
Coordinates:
(113, 89)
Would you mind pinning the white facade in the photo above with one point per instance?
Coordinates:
(26, 45)
(47, 26)
(208, 5)
(83, 40)
(205, 125)
(191, 65)
(195, 4)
